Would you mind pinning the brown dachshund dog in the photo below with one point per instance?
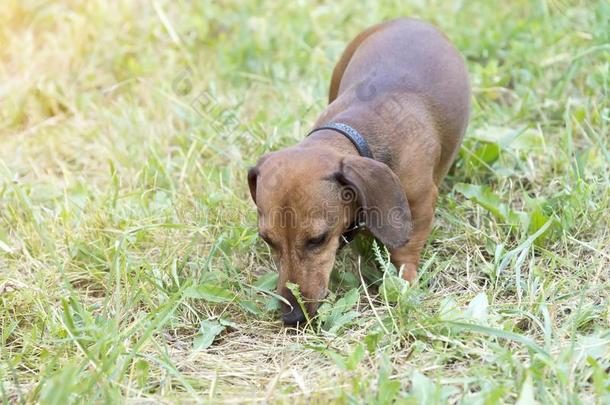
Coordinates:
(401, 95)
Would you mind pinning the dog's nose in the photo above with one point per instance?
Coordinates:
(294, 316)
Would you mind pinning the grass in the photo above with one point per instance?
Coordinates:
(130, 269)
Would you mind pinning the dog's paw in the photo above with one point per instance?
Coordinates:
(409, 272)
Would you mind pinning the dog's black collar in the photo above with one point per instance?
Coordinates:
(350, 133)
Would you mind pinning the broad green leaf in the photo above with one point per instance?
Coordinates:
(342, 321)
(207, 333)
(347, 301)
(338, 316)
(449, 309)
(273, 304)
(481, 153)
(210, 292)
(529, 140)
(250, 306)
(593, 346)
(477, 309)
(502, 136)
(483, 196)
(487, 152)
(267, 281)
(393, 287)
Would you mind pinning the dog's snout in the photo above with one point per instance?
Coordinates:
(294, 316)
(292, 313)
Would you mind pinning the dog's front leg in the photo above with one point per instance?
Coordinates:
(422, 214)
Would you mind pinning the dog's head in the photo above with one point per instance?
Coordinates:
(306, 199)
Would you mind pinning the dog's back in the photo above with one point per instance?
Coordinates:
(410, 57)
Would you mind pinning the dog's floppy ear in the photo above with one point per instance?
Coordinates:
(381, 198)
(253, 174)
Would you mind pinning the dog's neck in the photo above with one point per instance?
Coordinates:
(341, 144)
(334, 140)
(348, 109)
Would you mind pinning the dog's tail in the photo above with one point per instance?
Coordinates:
(347, 56)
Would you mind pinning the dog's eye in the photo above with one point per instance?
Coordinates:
(317, 241)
